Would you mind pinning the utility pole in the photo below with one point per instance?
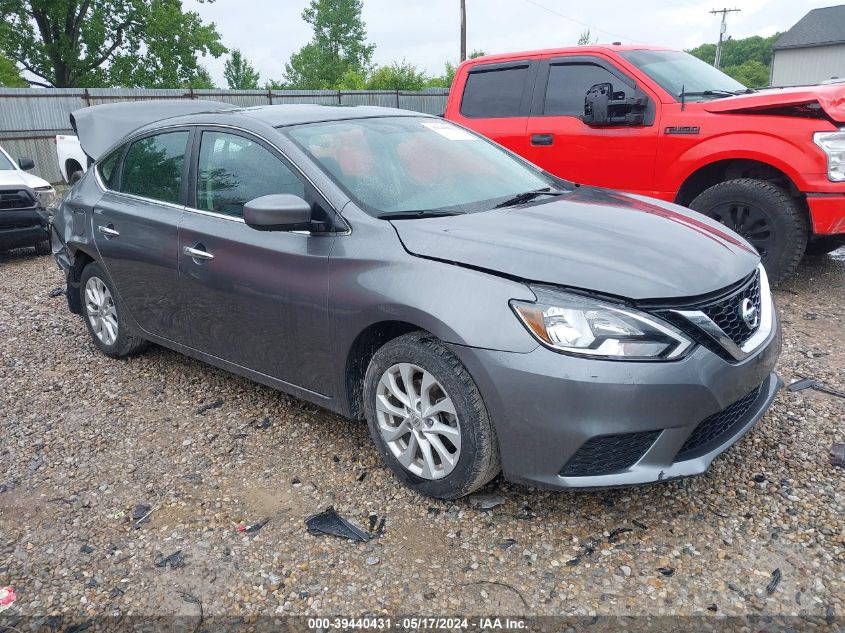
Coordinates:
(722, 30)
(463, 30)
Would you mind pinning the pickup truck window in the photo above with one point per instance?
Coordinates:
(568, 85)
(5, 163)
(678, 72)
(494, 93)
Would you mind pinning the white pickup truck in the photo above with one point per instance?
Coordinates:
(72, 160)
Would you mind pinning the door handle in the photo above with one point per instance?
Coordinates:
(197, 253)
(108, 230)
(542, 139)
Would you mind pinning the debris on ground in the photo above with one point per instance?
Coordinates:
(613, 537)
(770, 588)
(175, 560)
(508, 542)
(263, 424)
(812, 383)
(640, 524)
(7, 598)
(486, 500)
(57, 292)
(330, 522)
(666, 571)
(499, 583)
(141, 514)
(117, 514)
(208, 407)
(252, 529)
(86, 549)
(837, 454)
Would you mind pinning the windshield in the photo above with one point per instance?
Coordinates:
(393, 165)
(678, 72)
(5, 163)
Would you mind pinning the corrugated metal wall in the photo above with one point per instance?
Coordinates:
(811, 65)
(30, 118)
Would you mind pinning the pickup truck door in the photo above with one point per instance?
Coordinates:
(496, 101)
(618, 157)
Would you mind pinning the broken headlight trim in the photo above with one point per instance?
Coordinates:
(833, 144)
(583, 326)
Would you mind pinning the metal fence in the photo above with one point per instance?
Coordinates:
(30, 118)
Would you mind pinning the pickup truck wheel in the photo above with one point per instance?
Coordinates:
(765, 215)
(427, 418)
(75, 177)
(104, 315)
(826, 244)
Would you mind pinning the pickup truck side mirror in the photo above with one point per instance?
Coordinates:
(26, 164)
(605, 107)
(277, 212)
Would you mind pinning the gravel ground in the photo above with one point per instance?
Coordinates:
(86, 439)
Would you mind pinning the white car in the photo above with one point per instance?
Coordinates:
(26, 204)
(73, 163)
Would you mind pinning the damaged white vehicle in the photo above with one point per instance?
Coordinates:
(26, 205)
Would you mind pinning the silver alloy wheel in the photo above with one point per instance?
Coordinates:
(101, 310)
(417, 420)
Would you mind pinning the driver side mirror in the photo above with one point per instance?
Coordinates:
(26, 164)
(277, 212)
(603, 107)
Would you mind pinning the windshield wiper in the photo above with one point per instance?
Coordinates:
(528, 196)
(708, 93)
(423, 213)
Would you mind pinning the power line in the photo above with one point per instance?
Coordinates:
(722, 30)
(589, 26)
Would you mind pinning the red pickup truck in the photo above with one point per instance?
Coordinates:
(770, 164)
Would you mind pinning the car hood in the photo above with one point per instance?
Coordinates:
(18, 178)
(831, 99)
(593, 239)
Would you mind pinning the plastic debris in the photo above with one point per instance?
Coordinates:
(86, 549)
(640, 524)
(330, 522)
(666, 571)
(837, 454)
(811, 383)
(141, 514)
(263, 424)
(770, 588)
(207, 407)
(175, 560)
(252, 529)
(508, 542)
(117, 514)
(486, 501)
(614, 534)
(7, 598)
(57, 292)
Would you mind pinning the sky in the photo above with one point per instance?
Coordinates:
(426, 32)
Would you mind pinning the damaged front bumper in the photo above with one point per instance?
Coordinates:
(22, 227)
(566, 422)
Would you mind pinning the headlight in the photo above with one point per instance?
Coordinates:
(833, 144)
(46, 198)
(579, 325)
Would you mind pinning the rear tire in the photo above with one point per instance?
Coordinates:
(105, 315)
(467, 437)
(765, 215)
(825, 244)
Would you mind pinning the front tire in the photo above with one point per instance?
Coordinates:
(427, 418)
(765, 215)
(105, 315)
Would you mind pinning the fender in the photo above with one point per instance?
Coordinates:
(741, 145)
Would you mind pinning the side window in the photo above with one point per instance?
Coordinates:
(568, 85)
(107, 168)
(153, 166)
(233, 170)
(494, 93)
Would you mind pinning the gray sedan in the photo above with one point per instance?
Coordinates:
(479, 313)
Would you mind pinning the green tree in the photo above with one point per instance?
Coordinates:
(748, 60)
(67, 43)
(397, 76)
(445, 80)
(200, 81)
(585, 39)
(239, 73)
(338, 45)
(477, 52)
(10, 76)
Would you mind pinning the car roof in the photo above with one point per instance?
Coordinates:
(569, 50)
(282, 115)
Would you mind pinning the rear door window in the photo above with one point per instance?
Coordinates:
(494, 93)
(234, 170)
(108, 168)
(153, 166)
(568, 85)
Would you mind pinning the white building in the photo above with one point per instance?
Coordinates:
(811, 51)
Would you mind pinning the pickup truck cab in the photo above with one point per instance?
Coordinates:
(769, 164)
